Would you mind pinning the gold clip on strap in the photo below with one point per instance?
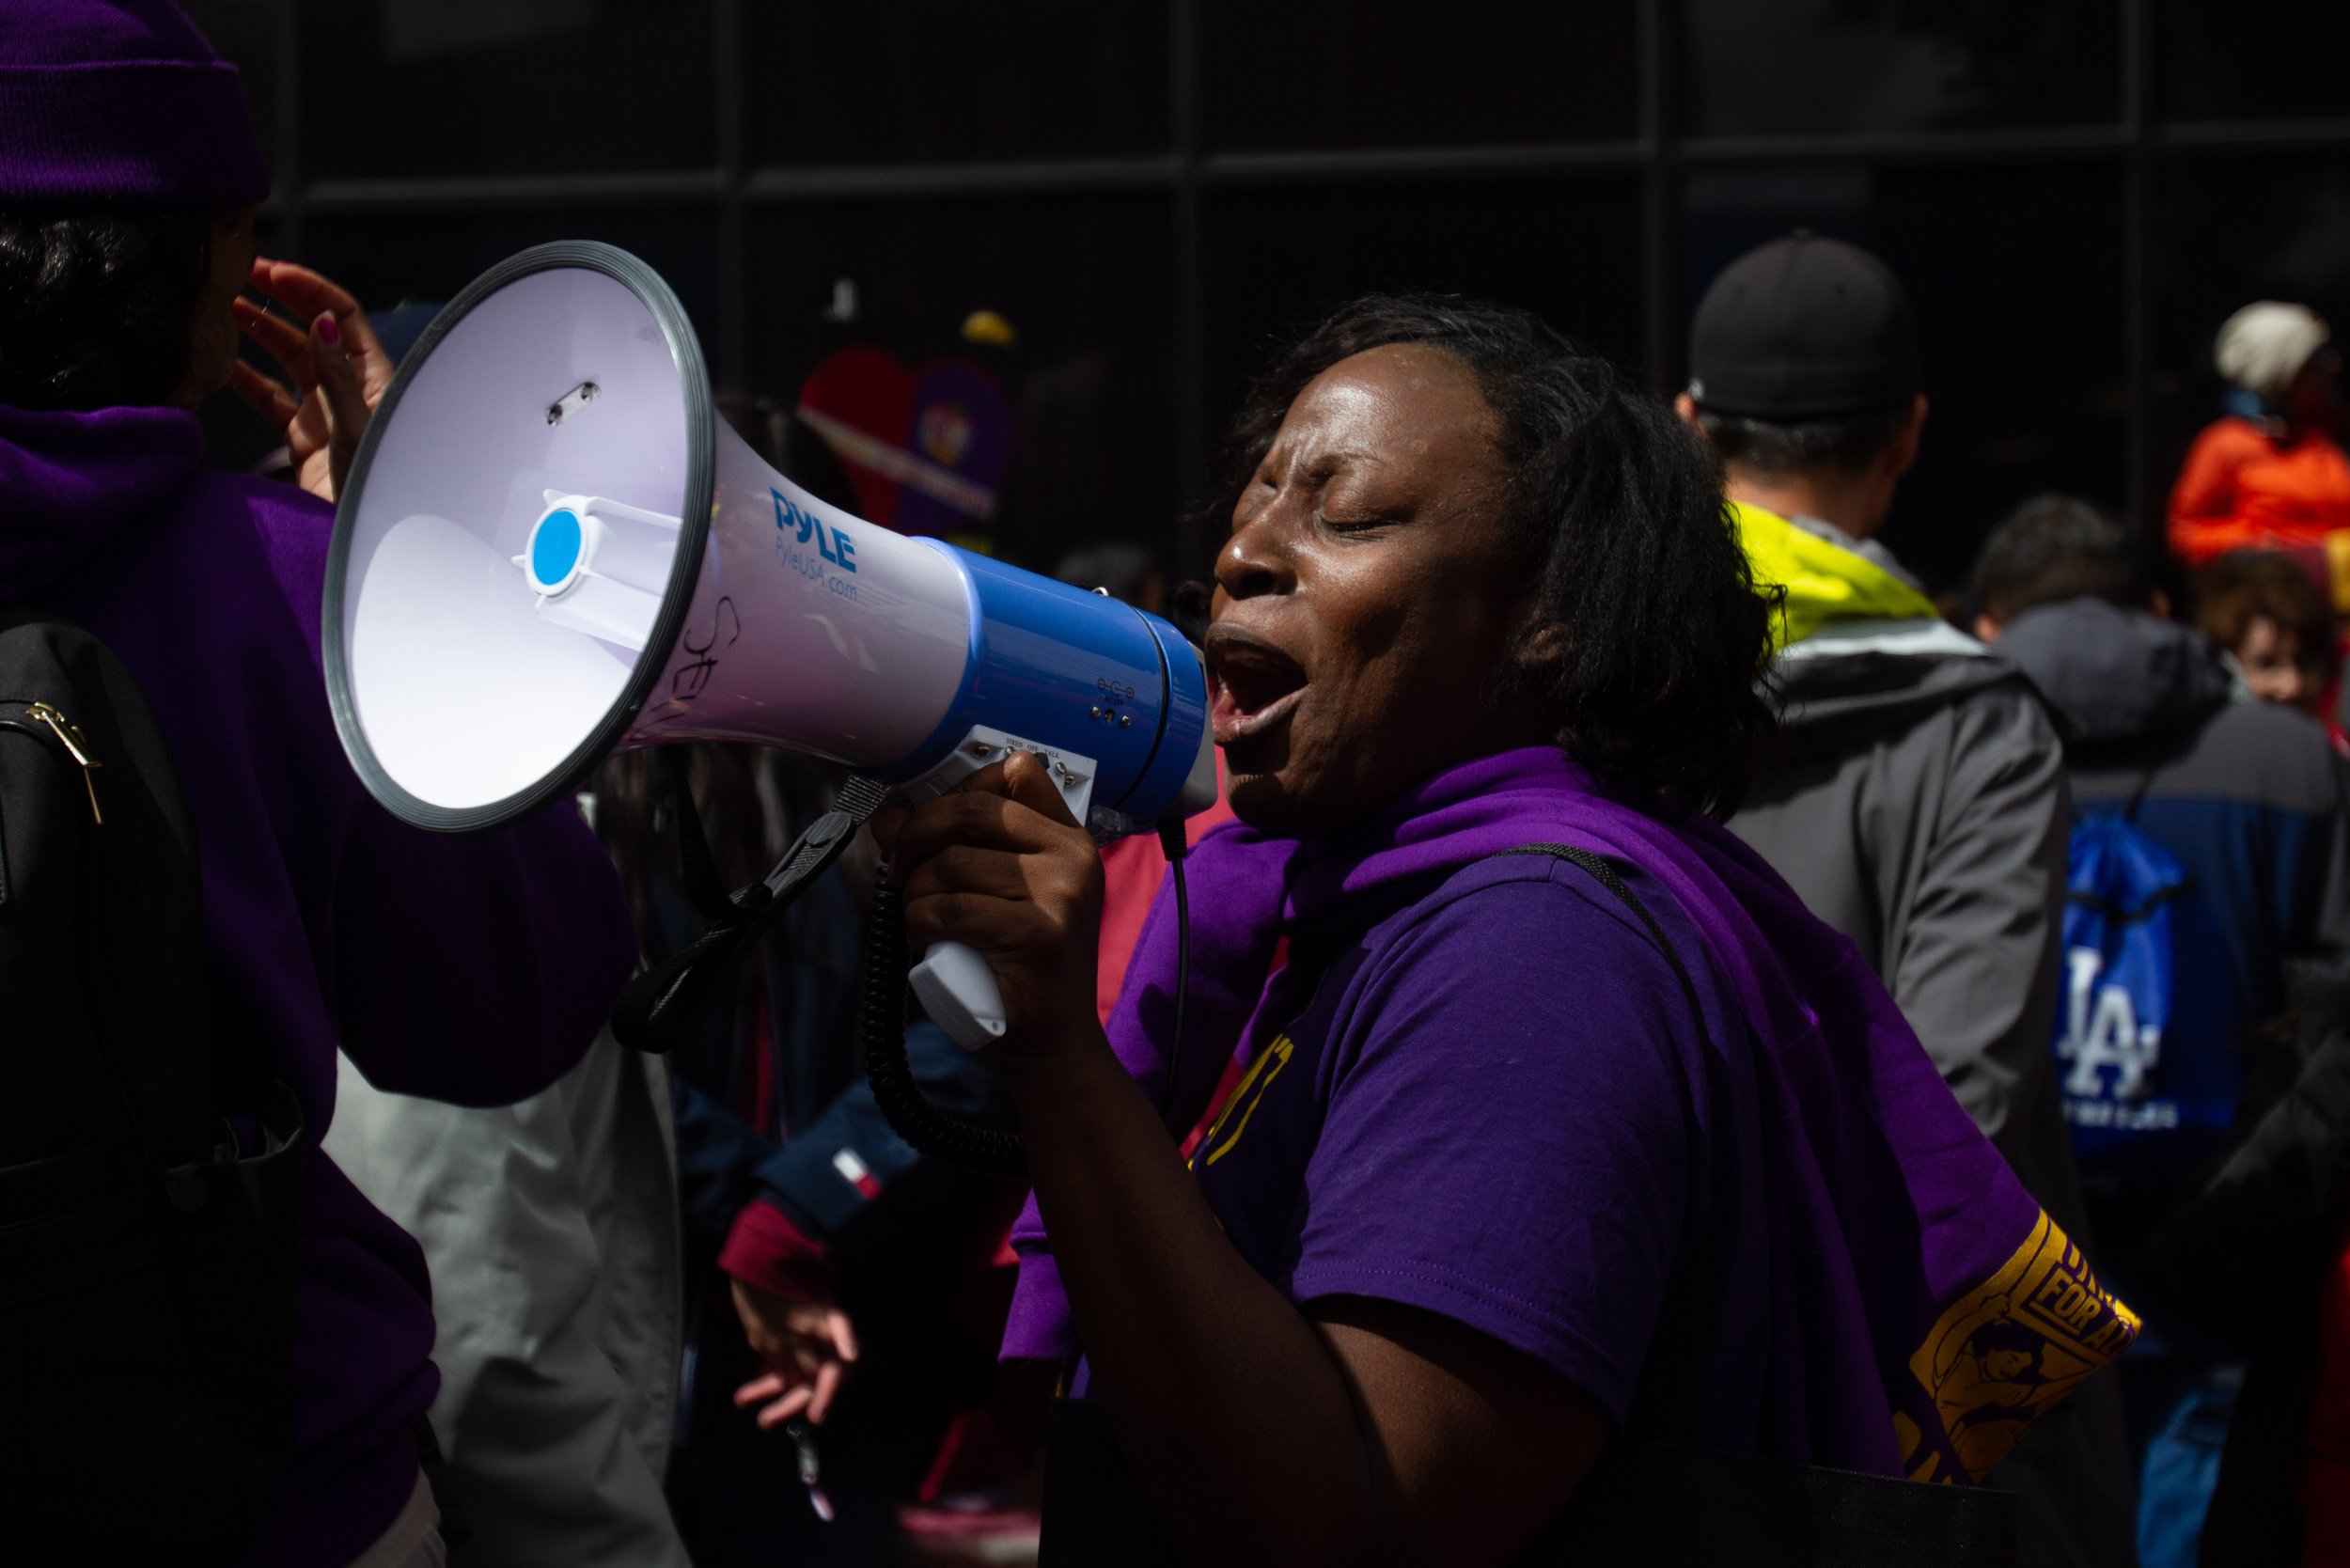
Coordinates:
(77, 747)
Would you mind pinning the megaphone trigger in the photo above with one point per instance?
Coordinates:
(982, 746)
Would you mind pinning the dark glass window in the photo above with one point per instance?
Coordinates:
(1321, 74)
(241, 31)
(415, 88)
(2255, 59)
(1084, 286)
(408, 265)
(2013, 273)
(1770, 67)
(947, 80)
(2227, 232)
(1278, 258)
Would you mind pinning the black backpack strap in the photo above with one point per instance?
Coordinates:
(1666, 1399)
(151, 1257)
(1602, 871)
(1656, 1496)
(107, 875)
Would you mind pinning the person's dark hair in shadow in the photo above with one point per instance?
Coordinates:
(95, 304)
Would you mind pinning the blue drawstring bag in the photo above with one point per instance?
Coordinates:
(2149, 1070)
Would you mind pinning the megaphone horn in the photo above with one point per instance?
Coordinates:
(549, 549)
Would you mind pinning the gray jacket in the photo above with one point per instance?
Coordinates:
(1917, 800)
(1917, 803)
(552, 1234)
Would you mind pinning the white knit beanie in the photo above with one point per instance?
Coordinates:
(2264, 346)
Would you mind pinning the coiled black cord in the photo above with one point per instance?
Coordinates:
(900, 1098)
(1175, 846)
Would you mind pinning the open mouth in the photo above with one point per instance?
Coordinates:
(1256, 685)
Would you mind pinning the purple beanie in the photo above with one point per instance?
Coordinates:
(119, 101)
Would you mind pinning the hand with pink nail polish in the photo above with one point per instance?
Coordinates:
(338, 369)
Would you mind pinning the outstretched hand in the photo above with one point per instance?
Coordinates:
(808, 1348)
(337, 368)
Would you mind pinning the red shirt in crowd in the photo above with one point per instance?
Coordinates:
(1131, 870)
(2245, 488)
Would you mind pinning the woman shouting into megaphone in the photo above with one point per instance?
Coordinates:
(1539, 1149)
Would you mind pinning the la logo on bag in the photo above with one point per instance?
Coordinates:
(2102, 1033)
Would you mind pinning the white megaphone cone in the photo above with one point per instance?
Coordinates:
(549, 549)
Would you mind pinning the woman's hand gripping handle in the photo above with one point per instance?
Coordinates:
(1003, 891)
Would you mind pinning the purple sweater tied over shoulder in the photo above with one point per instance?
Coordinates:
(473, 969)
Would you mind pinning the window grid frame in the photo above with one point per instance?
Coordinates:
(2136, 148)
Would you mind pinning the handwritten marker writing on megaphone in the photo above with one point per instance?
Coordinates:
(550, 549)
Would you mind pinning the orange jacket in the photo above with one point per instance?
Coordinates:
(2241, 489)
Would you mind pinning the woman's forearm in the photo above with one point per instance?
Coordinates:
(1234, 1413)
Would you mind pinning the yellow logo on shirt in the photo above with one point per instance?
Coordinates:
(2007, 1351)
(1244, 1101)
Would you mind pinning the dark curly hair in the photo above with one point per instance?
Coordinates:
(95, 304)
(1649, 640)
(2244, 586)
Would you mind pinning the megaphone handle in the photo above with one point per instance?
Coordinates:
(958, 990)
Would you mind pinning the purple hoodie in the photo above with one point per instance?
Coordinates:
(470, 970)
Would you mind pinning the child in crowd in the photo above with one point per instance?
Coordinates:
(2270, 619)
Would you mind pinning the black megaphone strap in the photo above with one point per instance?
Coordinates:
(654, 1008)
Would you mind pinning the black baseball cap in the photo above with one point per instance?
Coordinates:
(1804, 327)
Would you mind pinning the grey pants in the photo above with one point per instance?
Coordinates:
(414, 1539)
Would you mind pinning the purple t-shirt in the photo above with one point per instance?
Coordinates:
(1493, 1107)
(1479, 1088)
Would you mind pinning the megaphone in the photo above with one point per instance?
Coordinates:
(549, 549)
